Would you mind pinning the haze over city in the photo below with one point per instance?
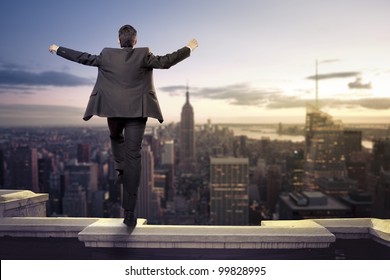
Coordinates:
(255, 62)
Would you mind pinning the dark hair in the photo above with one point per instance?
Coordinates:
(127, 36)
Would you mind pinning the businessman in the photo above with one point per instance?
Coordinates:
(124, 93)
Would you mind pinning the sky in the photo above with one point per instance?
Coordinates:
(256, 60)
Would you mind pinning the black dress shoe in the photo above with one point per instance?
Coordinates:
(130, 219)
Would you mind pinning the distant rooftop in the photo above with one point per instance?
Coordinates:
(314, 201)
(228, 160)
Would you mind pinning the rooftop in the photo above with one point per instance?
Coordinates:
(23, 236)
(315, 200)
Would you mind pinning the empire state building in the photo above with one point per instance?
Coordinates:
(187, 135)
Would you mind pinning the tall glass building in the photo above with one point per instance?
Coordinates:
(325, 147)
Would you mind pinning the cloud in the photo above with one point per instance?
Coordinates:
(358, 84)
(175, 90)
(40, 115)
(288, 103)
(245, 95)
(329, 61)
(366, 103)
(335, 75)
(11, 78)
(4, 89)
(45, 109)
(236, 94)
(373, 103)
(17, 78)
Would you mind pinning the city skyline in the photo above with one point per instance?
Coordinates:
(255, 63)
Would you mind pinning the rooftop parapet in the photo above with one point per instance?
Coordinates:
(22, 203)
(91, 235)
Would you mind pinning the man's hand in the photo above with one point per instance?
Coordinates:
(193, 44)
(53, 49)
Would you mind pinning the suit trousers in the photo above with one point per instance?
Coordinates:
(126, 136)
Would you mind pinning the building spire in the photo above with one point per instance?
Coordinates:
(317, 85)
(187, 95)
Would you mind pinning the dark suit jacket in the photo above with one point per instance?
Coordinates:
(124, 85)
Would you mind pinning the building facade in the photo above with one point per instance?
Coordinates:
(75, 201)
(229, 184)
(148, 205)
(325, 154)
(24, 169)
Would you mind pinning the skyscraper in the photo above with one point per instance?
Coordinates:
(167, 168)
(381, 207)
(168, 154)
(85, 175)
(187, 137)
(24, 169)
(45, 168)
(381, 169)
(148, 205)
(353, 142)
(381, 156)
(75, 201)
(325, 147)
(229, 183)
(274, 185)
(295, 164)
(84, 152)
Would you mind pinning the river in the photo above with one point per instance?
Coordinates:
(259, 132)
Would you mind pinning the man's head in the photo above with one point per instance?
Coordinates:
(127, 36)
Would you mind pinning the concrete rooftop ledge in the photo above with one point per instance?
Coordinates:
(377, 229)
(43, 227)
(26, 232)
(112, 233)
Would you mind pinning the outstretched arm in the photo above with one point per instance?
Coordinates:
(76, 56)
(168, 60)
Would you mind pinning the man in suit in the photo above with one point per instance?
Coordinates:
(124, 93)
